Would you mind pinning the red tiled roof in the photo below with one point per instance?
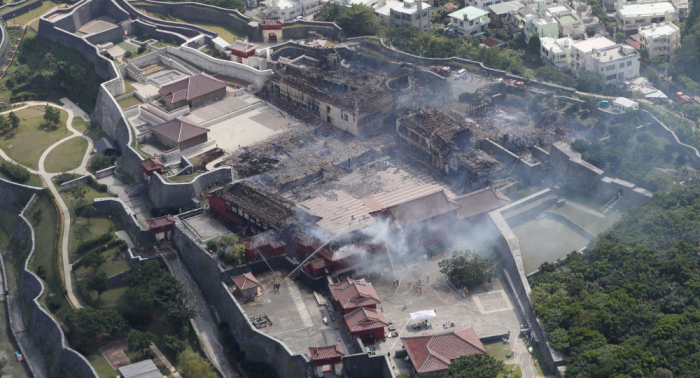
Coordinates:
(449, 5)
(152, 164)
(326, 352)
(243, 46)
(419, 209)
(435, 352)
(354, 293)
(179, 130)
(245, 281)
(490, 42)
(165, 220)
(363, 319)
(190, 88)
(480, 201)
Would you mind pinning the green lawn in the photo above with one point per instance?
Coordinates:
(97, 226)
(23, 19)
(114, 299)
(129, 102)
(80, 124)
(542, 368)
(44, 218)
(126, 46)
(101, 365)
(115, 263)
(34, 180)
(227, 33)
(66, 156)
(512, 371)
(26, 144)
(128, 87)
(499, 350)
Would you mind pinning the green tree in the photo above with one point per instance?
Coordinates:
(14, 120)
(52, 116)
(4, 123)
(192, 365)
(533, 45)
(590, 31)
(356, 20)
(98, 283)
(172, 346)
(88, 323)
(88, 212)
(466, 268)
(93, 260)
(140, 342)
(79, 193)
(474, 366)
(591, 82)
(551, 74)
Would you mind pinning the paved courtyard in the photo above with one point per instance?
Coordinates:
(297, 319)
(206, 227)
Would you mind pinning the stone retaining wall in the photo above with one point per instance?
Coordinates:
(42, 327)
(116, 207)
(5, 45)
(257, 346)
(170, 194)
(14, 195)
(73, 183)
(219, 66)
(21, 10)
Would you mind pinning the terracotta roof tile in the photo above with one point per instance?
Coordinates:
(165, 220)
(352, 294)
(190, 88)
(152, 164)
(479, 202)
(245, 281)
(364, 318)
(318, 263)
(179, 130)
(326, 352)
(435, 352)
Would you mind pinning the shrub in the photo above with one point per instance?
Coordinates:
(101, 161)
(142, 49)
(94, 242)
(128, 54)
(15, 172)
(172, 346)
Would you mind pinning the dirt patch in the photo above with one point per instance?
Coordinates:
(114, 353)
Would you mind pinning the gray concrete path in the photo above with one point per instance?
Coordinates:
(205, 325)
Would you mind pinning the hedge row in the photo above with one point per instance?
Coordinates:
(94, 242)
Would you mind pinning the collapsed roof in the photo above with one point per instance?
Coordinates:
(444, 132)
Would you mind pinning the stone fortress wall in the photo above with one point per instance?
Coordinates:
(41, 341)
(28, 6)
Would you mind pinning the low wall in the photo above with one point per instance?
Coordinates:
(105, 172)
(5, 45)
(258, 347)
(170, 194)
(21, 10)
(680, 147)
(300, 29)
(220, 66)
(42, 327)
(582, 232)
(73, 183)
(116, 207)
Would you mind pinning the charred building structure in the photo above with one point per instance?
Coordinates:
(448, 144)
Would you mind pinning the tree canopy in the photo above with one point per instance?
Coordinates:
(192, 365)
(356, 20)
(474, 366)
(630, 306)
(467, 269)
(87, 323)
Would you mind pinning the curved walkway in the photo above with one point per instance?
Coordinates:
(65, 213)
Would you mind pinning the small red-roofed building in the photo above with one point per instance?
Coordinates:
(351, 294)
(328, 359)
(161, 225)
(152, 164)
(246, 286)
(316, 267)
(180, 133)
(243, 49)
(367, 323)
(431, 355)
(194, 91)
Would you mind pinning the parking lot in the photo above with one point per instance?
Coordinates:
(470, 83)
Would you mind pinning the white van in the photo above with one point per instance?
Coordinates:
(461, 74)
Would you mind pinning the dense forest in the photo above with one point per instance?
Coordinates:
(630, 306)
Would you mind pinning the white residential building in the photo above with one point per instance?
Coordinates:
(483, 4)
(631, 16)
(581, 49)
(404, 13)
(660, 39)
(682, 7)
(625, 104)
(616, 63)
(569, 22)
(556, 51)
(290, 9)
(469, 20)
(541, 23)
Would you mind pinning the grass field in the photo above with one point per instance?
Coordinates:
(225, 32)
(126, 46)
(34, 180)
(80, 124)
(23, 19)
(128, 87)
(26, 144)
(97, 226)
(129, 102)
(101, 365)
(66, 156)
(44, 218)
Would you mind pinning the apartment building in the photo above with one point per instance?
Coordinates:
(541, 23)
(581, 49)
(569, 22)
(616, 63)
(290, 9)
(404, 14)
(470, 20)
(631, 16)
(483, 4)
(556, 51)
(660, 39)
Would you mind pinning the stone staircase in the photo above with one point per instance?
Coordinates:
(609, 206)
(136, 189)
